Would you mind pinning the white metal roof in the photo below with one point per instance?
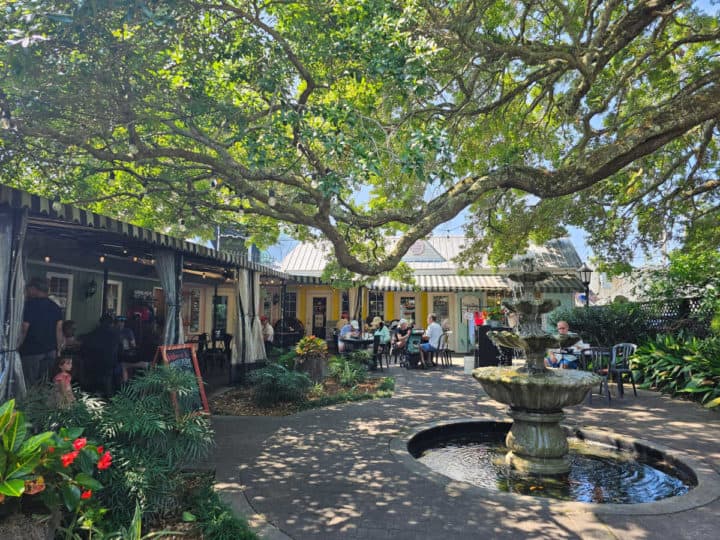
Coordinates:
(433, 256)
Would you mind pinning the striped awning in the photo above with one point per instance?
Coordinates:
(443, 283)
(453, 283)
(42, 210)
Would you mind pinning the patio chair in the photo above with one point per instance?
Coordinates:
(597, 360)
(620, 365)
(443, 355)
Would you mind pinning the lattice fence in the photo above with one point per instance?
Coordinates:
(679, 314)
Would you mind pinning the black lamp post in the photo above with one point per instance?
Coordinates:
(585, 274)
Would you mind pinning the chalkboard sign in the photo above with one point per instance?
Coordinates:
(183, 357)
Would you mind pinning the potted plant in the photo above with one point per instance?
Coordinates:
(494, 315)
(312, 354)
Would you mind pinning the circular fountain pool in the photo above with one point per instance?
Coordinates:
(607, 471)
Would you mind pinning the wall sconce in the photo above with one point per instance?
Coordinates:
(91, 288)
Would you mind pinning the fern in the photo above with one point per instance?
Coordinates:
(149, 443)
(276, 384)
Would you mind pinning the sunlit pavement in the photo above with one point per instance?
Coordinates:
(329, 473)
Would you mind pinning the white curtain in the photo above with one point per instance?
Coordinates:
(12, 301)
(168, 273)
(242, 326)
(257, 339)
(353, 297)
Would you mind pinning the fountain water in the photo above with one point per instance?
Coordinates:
(536, 395)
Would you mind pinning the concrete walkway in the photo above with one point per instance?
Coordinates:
(330, 473)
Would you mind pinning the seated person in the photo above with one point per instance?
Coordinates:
(350, 330)
(431, 342)
(565, 358)
(401, 335)
(381, 330)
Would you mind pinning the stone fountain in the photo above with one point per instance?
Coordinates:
(536, 395)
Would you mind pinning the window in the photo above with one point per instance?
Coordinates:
(345, 303)
(441, 307)
(290, 307)
(407, 308)
(220, 305)
(376, 300)
(191, 310)
(114, 297)
(60, 291)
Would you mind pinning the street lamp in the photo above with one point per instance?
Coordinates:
(585, 274)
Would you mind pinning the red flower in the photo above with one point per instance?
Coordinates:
(79, 444)
(105, 461)
(86, 494)
(68, 458)
(100, 449)
(51, 449)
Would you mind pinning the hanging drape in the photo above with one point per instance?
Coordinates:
(12, 300)
(242, 324)
(257, 339)
(170, 274)
(353, 302)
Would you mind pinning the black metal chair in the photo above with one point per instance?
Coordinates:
(444, 354)
(597, 360)
(620, 365)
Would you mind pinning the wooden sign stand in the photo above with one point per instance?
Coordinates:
(183, 357)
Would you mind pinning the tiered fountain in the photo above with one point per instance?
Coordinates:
(536, 395)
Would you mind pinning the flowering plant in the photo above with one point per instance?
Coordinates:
(58, 466)
(311, 347)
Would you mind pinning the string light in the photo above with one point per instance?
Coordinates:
(272, 201)
(135, 259)
(47, 258)
(102, 258)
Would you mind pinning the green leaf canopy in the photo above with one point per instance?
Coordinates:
(356, 120)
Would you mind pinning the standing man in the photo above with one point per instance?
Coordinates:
(268, 333)
(433, 333)
(41, 333)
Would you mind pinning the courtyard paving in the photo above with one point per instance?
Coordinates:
(331, 473)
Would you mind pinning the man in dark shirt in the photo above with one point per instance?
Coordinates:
(100, 350)
(41, 332)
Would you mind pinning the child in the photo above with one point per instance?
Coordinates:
(63, 389)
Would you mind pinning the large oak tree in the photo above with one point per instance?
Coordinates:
(355, 120)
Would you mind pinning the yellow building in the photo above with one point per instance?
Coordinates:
(439, 287)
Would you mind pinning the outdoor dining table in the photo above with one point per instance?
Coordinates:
(357, 343)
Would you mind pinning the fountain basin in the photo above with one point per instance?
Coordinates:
(703, 480)
(549, 391)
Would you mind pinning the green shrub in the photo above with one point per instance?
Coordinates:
(387, 385)
(149, 442)
(681, 365)
(605, 326)
(215, 518)
(347, 372)
(285, 359)
(363, 358)
(277, 384)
